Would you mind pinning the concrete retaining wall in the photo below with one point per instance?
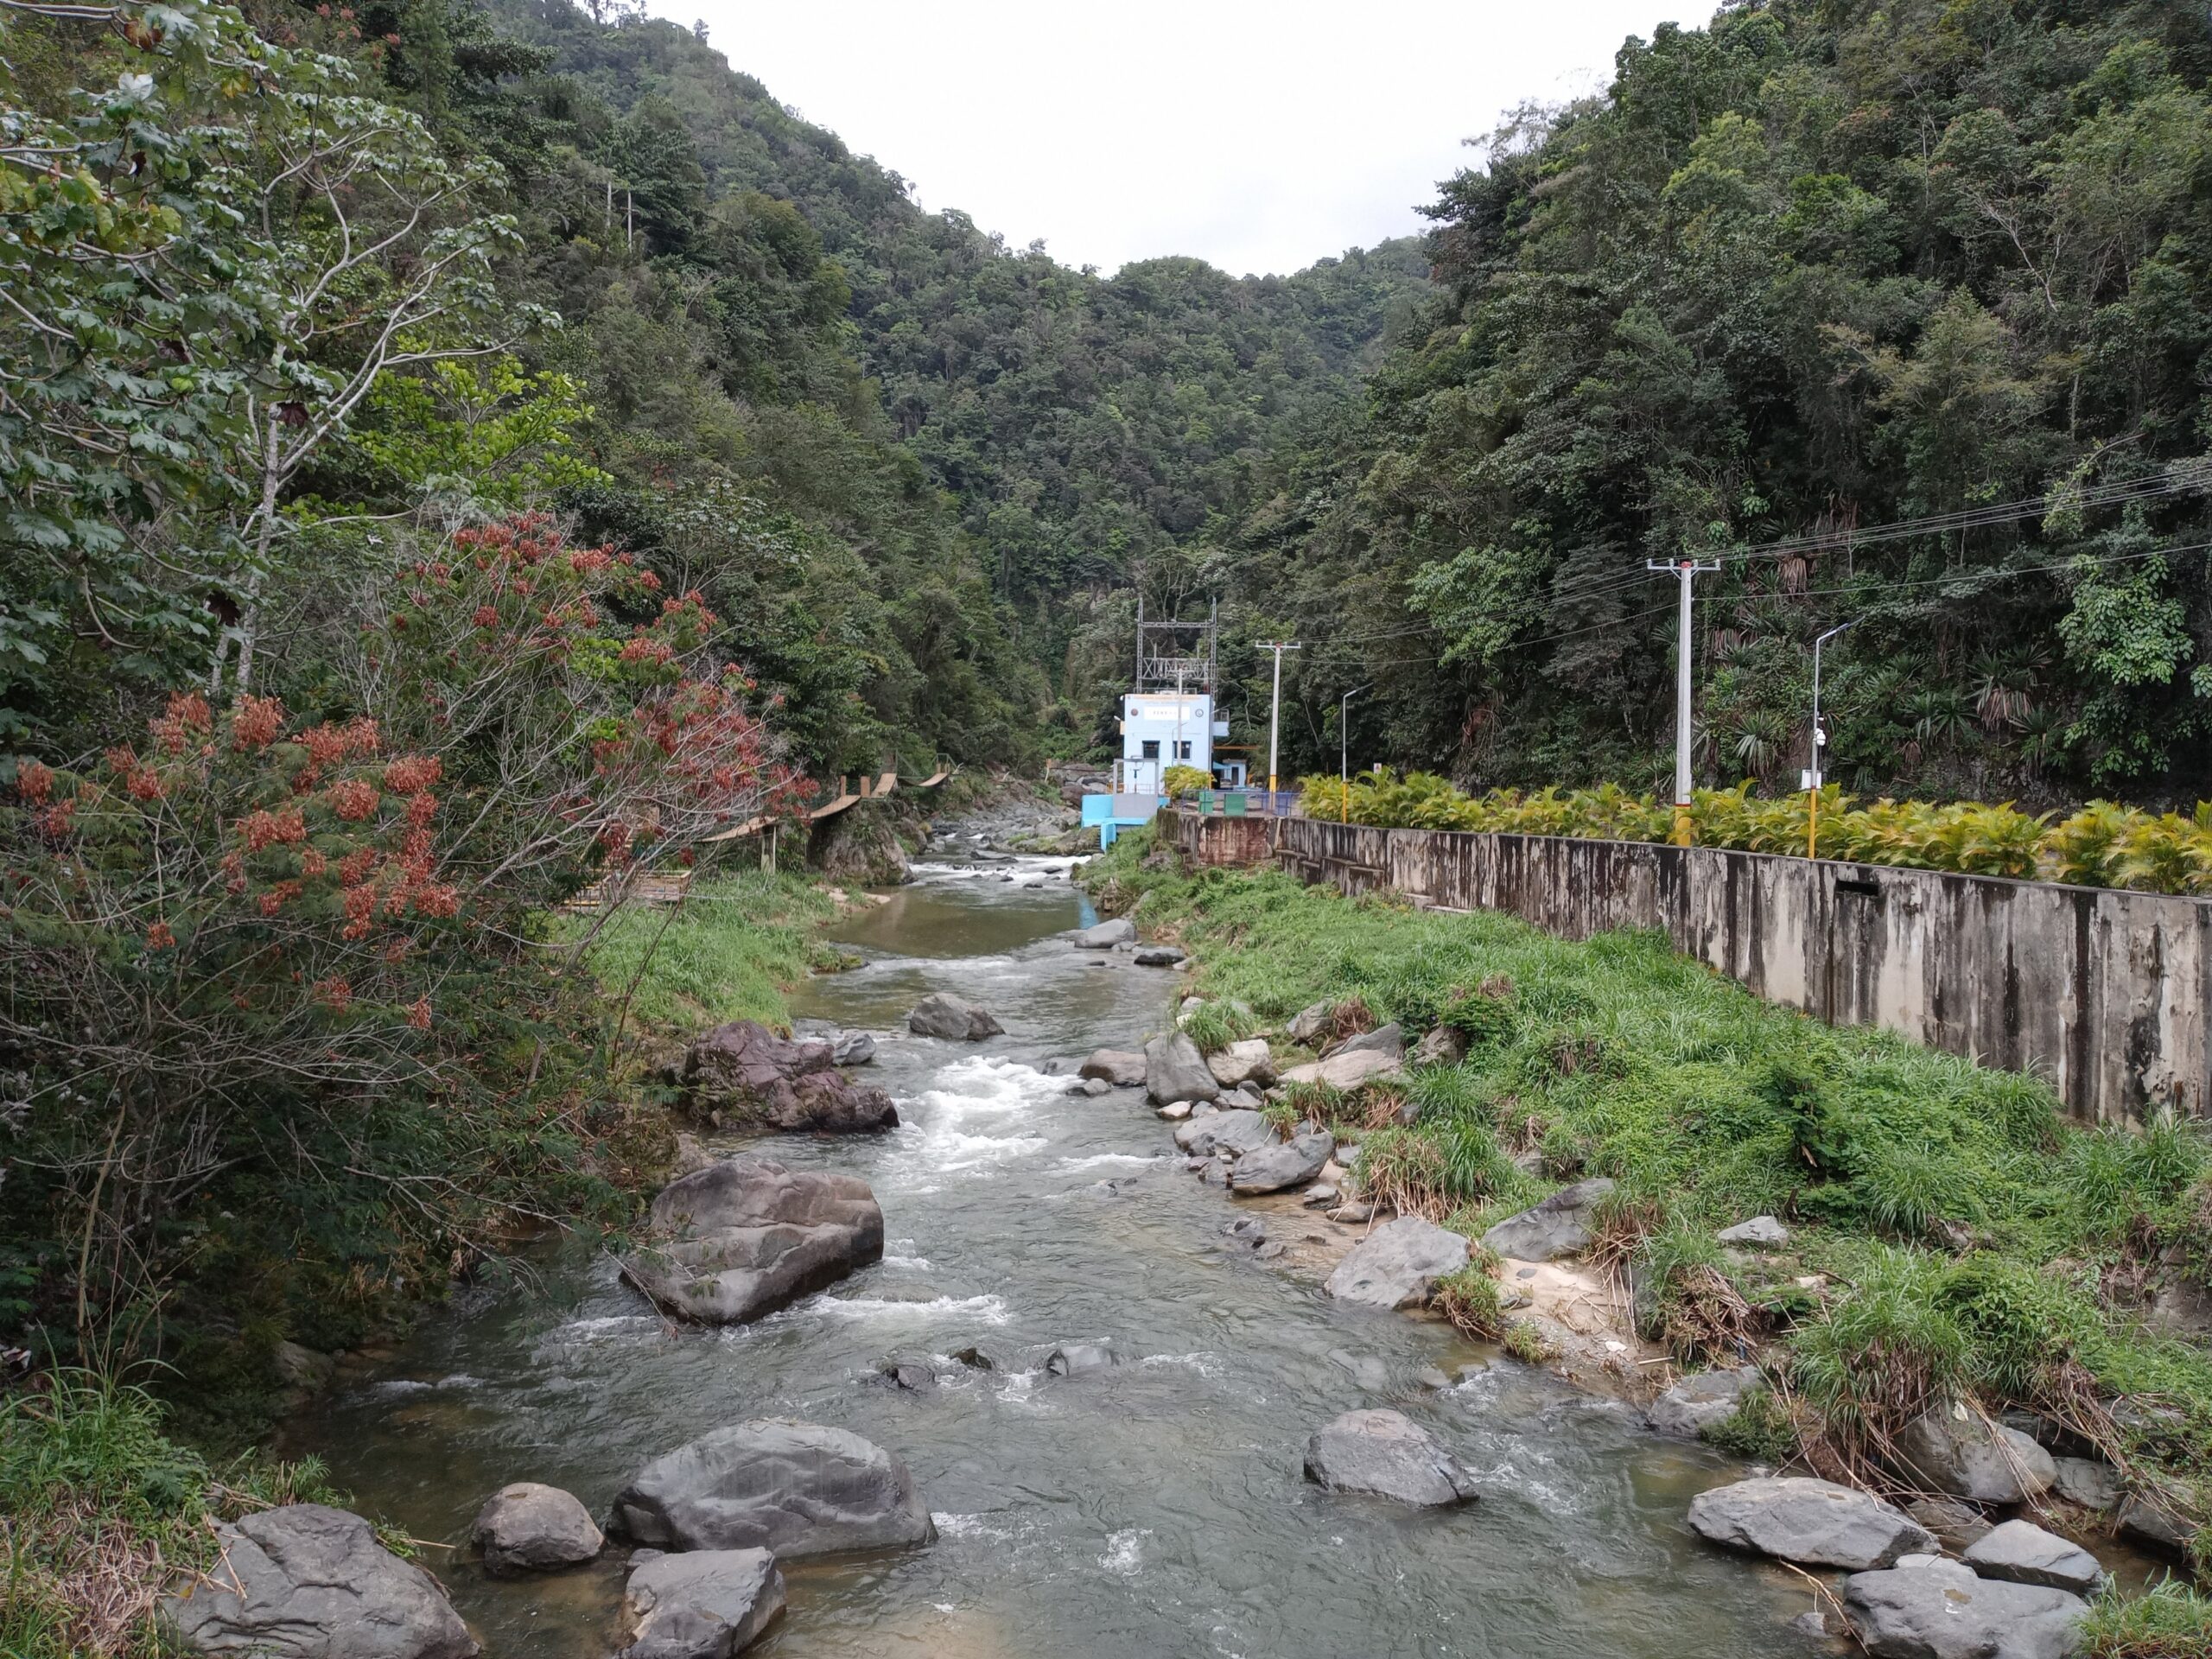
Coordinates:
(2101, 991)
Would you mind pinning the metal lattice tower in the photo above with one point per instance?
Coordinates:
(1176, 656)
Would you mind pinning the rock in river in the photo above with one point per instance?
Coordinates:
(796, 1489)
(2023, 1552)
(1398, 1264)
(705, 1604)
(1955, 1451)
(1815, 1522)
(1174, 1070)
(527, 1528)
(1158, 955)
(941, 1014)
(1117, 1066)
(1934, 1609)
(744, 1073)
(744, 1237)
(1388, 1454)
(310, 1582)
(1274, 1169)
(1107, 935)
(1559, 1226)
(1236, 1133)
(1700, 1400)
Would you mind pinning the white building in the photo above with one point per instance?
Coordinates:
(1161, 729)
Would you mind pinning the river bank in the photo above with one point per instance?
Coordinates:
(1925, 1231)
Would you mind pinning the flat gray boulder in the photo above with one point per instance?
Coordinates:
(1107, 935)
(744, 1073)
(2021, 1552)
(1559, 1226)
(1276, 1169)
(1388, 1041)
(1311, 1022)
(1236, 1133)
(1081, 1358)
(1760, 1233)
(1696, 1402)
(943, 1014)
(1242, 1062)
(2090, 1482)
(1114, 1065)
(1158, 955)
(1950, 1449)
(704, 1604)
(1174, 1070)
(1813, 1522)
(1398, 1264)
(1387, 1453)
(307, 1581)
(747, 1235)
(795, 1489)
(1934, 1609)
(527, 1528)
(1346, 1072)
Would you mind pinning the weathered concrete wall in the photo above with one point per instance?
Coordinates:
(2103, 992)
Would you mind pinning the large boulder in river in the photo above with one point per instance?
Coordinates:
(1245, 1062)
(1398, 1264)
(1174, 1070)
(1559, 1226)
(1114, 1065)
(1698, 1401)
(311, 1582)
(1954, 1450)
(1274, 1169)
(941, 1014)
(1234, 1133)
(1934, 1609)
(527, 1528)
(2025, 1553)
(1388, 1454)
(796, 1489)
(1107, 935)
(703, 1603)
(746, 1236)
(744, 1073)
(1814, 1522)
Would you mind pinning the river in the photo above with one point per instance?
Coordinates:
(1156, 1509)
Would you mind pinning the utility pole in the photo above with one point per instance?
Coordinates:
(1820, 743)
(1344, 752)
(1686, 571)
(1274, 712)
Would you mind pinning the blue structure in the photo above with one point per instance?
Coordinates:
(1111, 814)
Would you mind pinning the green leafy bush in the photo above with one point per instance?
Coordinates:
(2102, 845)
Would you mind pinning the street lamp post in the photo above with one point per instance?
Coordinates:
(1813, 775)
(1344, 752)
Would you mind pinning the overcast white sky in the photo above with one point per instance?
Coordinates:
(1261, 136)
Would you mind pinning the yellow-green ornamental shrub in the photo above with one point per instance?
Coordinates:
(2103, 845)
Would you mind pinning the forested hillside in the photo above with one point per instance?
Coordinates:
(1826, 266)
(451, 458)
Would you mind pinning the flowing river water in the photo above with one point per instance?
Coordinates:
(1157, 1508)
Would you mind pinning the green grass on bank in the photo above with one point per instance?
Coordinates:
(738, 943)
(1967, 1239)
(99, 1512)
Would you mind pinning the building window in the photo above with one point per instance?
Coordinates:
(1183, 749)
(1150, 750)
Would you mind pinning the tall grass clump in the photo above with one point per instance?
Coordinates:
(738, 943)
(2169, 1620)
(99, 1508)
(1214, 1026)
